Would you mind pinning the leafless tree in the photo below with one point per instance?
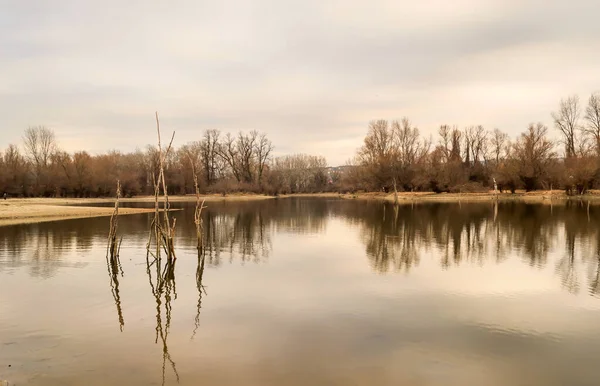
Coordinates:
(533, 152)
(228, 151)
(209, 147)
(245, 146)
(450, 138)
(377, 152)
(592, 118)
(497, 142)
(566, 120)
(299, 173)
(263, 149)
(475, 144)
(39, 142)
(82, 163)
(455, 139)
(408, 150)
(408, 144)
(444, 146)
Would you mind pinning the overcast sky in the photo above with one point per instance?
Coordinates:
(310, 74)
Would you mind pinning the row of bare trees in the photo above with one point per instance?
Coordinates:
(224, 163)
(395, 156)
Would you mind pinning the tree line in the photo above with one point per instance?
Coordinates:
(395, 156)
(224, 163)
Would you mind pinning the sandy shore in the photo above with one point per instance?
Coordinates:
(22, 212)
(30, 210)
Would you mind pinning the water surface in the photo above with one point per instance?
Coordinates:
(310, 292)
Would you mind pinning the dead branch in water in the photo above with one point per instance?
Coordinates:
(162, 228)
(112, 257)
(199, 207)
(114, 244)
(162, 232)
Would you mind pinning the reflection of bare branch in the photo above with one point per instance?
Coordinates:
(162, 284)
(595, 281)
(114, 244)
(566, 267)
(201, 289)
(114, 266)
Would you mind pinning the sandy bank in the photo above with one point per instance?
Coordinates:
(30, 210)
(143, 199)
(22, 212)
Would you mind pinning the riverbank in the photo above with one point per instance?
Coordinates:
(410, 197)
(536, 196)
(32, 210)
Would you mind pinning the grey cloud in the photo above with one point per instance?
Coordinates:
(310, 74)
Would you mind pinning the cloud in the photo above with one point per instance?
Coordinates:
(310, 74)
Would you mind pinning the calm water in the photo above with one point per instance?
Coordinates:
(310, 292)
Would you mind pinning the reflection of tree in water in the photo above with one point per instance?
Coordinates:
(43, 246)
(389, 241)
(242, 235)
(200, 288)
(161, 276)
(396, 237)
(594, 274)
(114, 269)
(244, 229)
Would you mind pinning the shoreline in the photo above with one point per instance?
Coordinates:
(409, 197)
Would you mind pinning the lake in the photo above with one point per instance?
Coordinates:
(301, 291)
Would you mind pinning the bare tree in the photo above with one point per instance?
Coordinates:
(209, 147)
(566, 120)
(39, 143)
(82, 163)
(263, 149)
(377, 153)
(533, 152)
(455, 139)
(497, 142)
(14, 171)
(300, 173)
(228, 151)
(444, 133)
(592, 118)
(475, 143)
(245, 146)
(408, 149)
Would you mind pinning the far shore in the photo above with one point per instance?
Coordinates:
(30, 210)
(545, 196)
